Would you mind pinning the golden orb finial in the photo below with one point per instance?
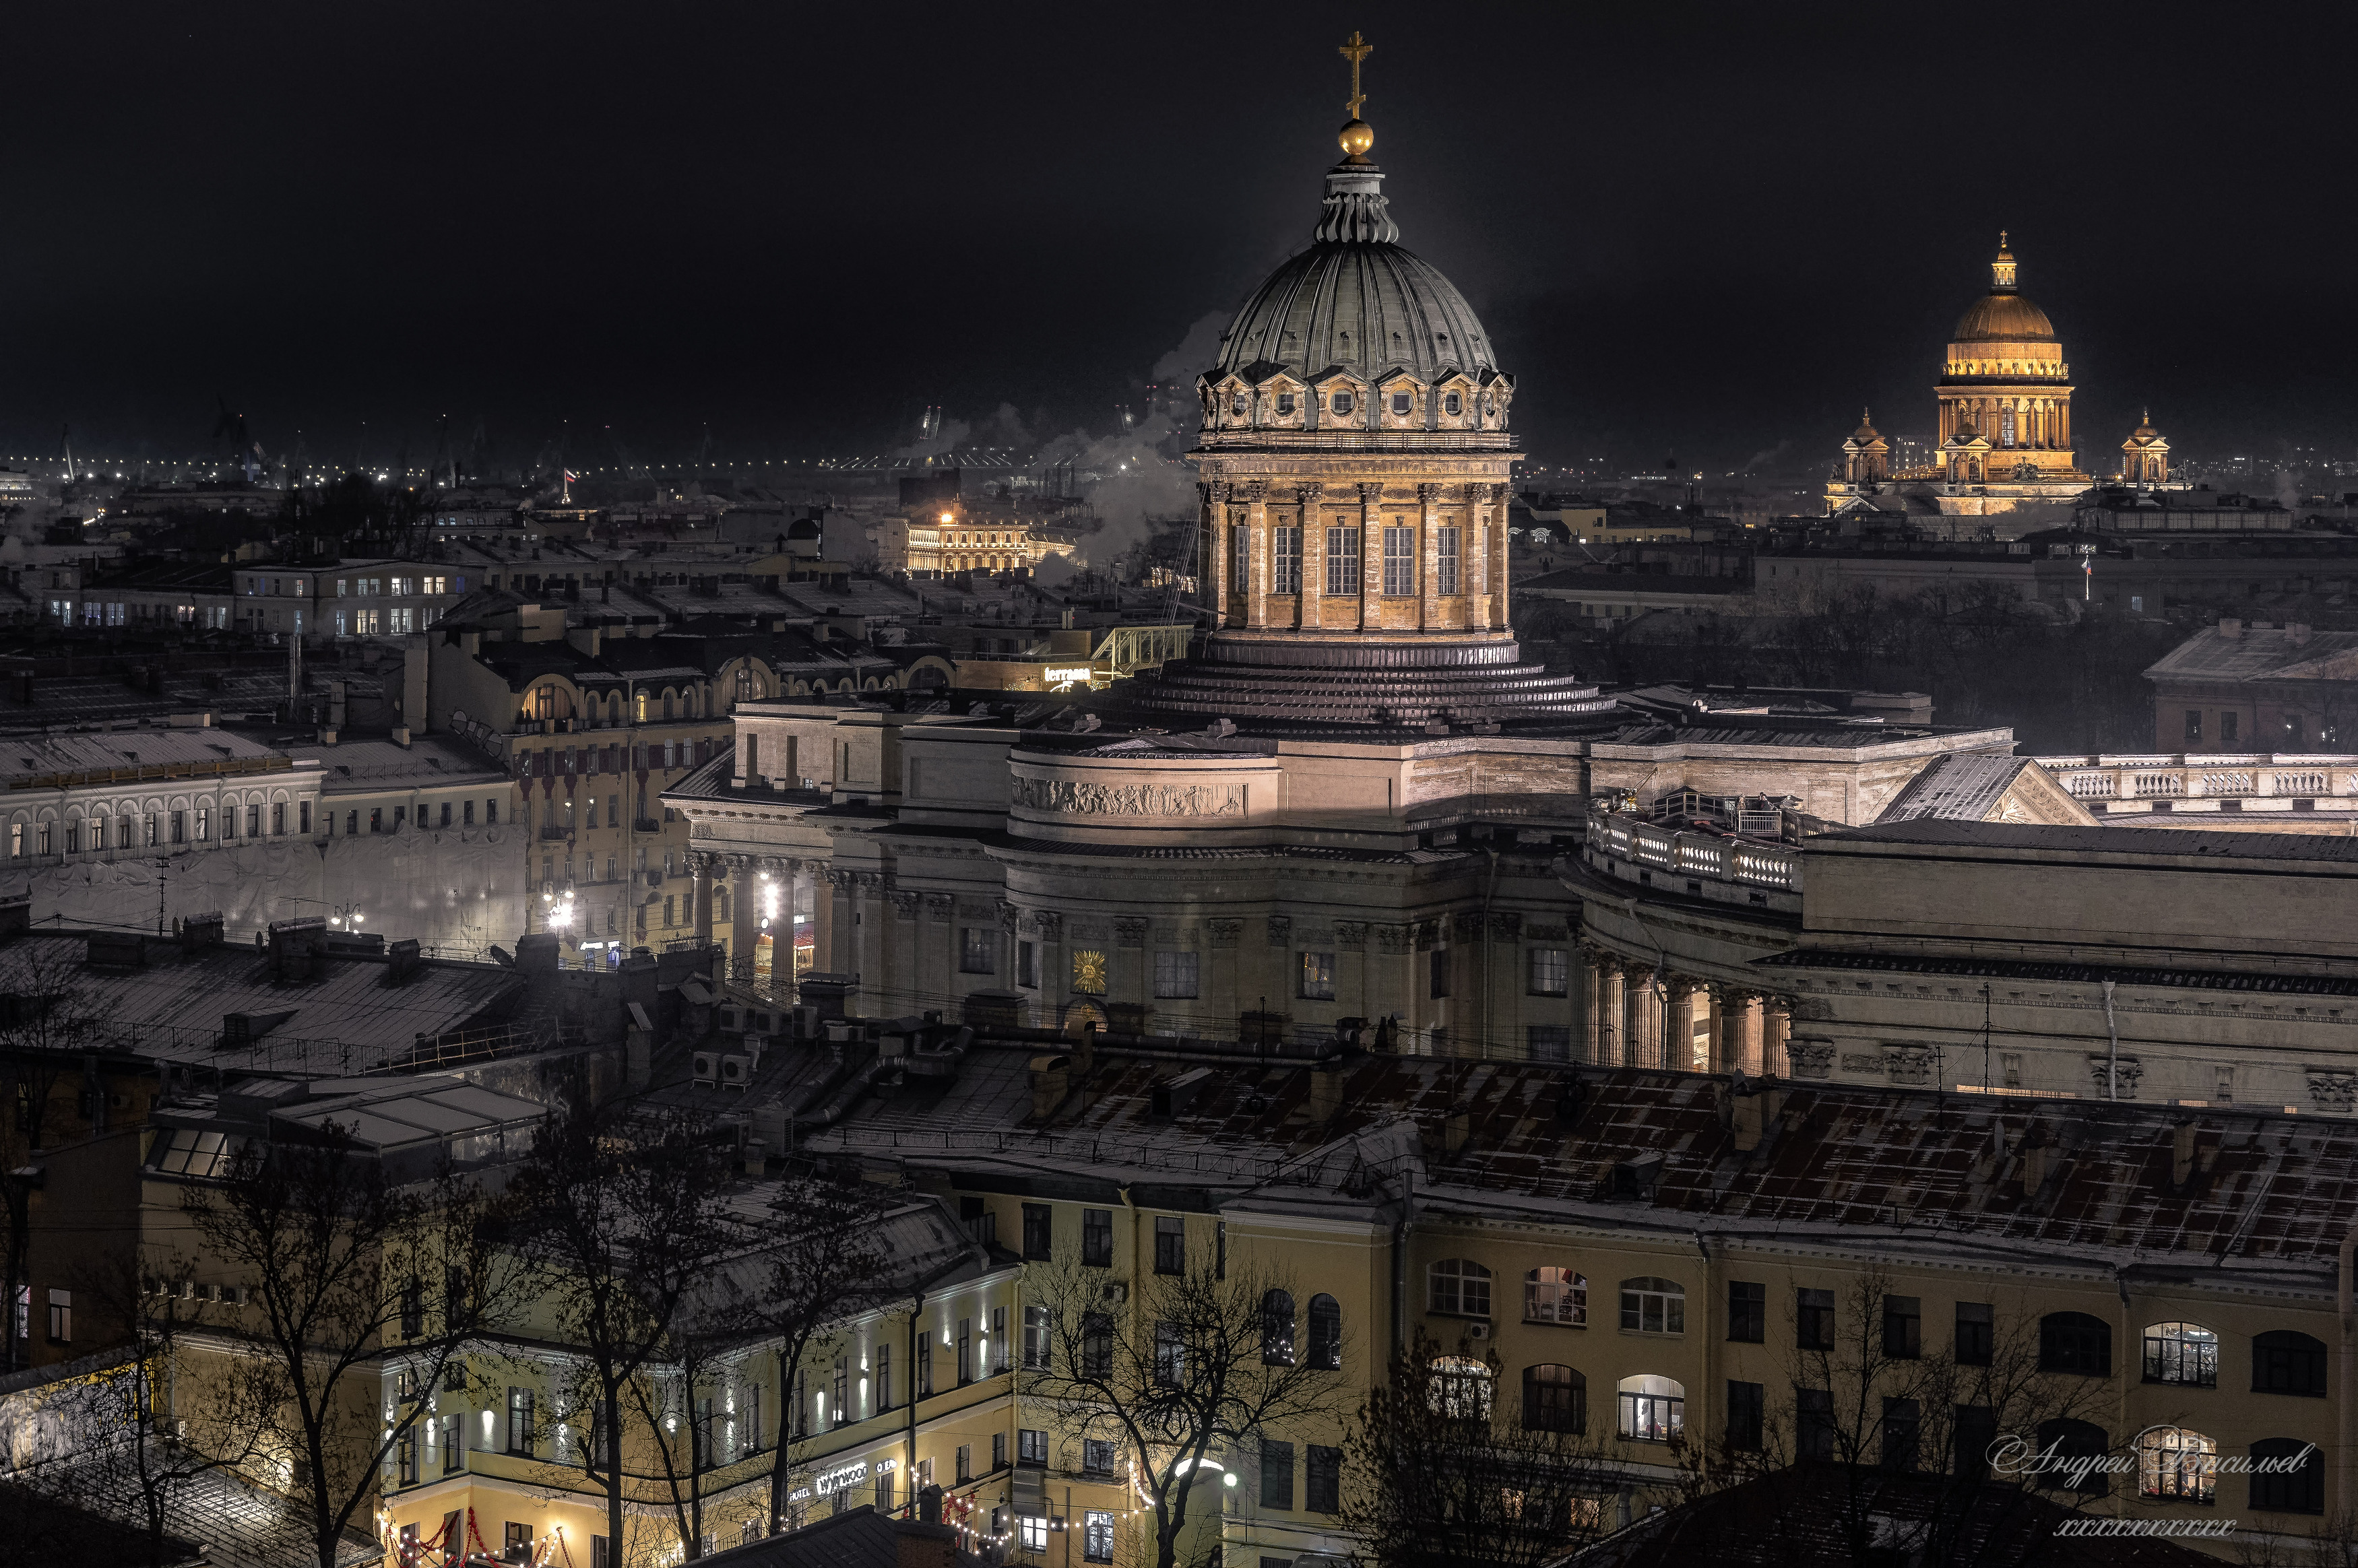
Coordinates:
(1356, 136)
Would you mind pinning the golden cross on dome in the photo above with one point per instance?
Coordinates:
(1354, 51)
(2001, 239)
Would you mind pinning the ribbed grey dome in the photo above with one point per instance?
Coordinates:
(1355, 299)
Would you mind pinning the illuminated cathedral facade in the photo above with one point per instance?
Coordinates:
(2006, 438)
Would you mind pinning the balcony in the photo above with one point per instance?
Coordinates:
(1723, 867)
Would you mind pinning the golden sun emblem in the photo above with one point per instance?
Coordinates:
(1089, 972)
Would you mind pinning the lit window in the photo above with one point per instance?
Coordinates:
(2182, 1353)
(1653, 1410)
(1460, 1388)
(2177, 1465)
(1553, 1294)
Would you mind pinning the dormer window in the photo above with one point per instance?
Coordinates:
(1343, 403)
(1454, 405)
(1285, 403)
(1401, 401)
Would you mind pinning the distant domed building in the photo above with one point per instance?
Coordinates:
(2005, 435)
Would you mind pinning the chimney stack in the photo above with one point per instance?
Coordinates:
(2181, 1154)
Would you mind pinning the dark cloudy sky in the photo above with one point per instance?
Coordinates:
(1705, 229)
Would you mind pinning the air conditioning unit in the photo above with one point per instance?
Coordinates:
(805, 1022)
(706, 1065)
(1117, 1292)
(736, 1071)
(1478, 1331)
(732, 1018)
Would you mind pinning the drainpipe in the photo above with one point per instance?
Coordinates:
(909, 1443)
(1400, 1261)
(2345, 1416)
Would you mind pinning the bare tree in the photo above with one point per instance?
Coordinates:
(334, 1256)
(1447, 1473)
(832, 1266)
(1871, 1399)
(1195, 1369)
(627, 1214)
(142, 1434)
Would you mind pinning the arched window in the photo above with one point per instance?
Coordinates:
(2072, 1440)
(1555, 1295)
(2182, 1353)
(1325, 1333)
(1454, 405)
(2293, 1479)
(2075, 1342)
(1343, 403)
(1649, 1305)
(1556, 1398)
(2175, 1464)
(671, 702)
(1459, 1285)
(1277, 1329)
(1653, 1410)
(2285, 1362)
(643, 707)
(1461, 1388)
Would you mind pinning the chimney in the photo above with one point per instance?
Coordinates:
(1457, 1132)
(402, 960)
(1750, 1117)
(929, 1505)
(757, 1157)
(2231, 629)
(1050, 1078)
(2299, 632)
(198, 932)
(1326, 1093)
(2181, 1154)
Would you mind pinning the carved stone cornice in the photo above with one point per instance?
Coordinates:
(1256, 492)
(1217, 491)
(1308, 494)
(1395, 939)
(1224, 933)
(1052, 924)
(1350, 933)
(1006, 915)
(1371, 495)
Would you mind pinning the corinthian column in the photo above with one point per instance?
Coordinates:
(1216, 554)
(1256, 583)
(1428, 557)
(1641, 1029)
(1313, 557)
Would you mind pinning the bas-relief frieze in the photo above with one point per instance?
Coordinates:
(1129, 800)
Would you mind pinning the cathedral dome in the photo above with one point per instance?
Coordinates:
(1354, 300)
(2003, 316)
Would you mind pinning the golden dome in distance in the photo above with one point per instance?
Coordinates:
(1356, 136)
(2003, 315)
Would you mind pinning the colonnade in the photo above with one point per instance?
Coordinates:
(1644, 1015)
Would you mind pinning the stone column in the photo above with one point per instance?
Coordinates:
(1678, 1023)
(1132, 976)
(1746, 1049)
(1642, 1023)
(1612, 1015)
(841, 953)
(1719, 1018)
(1056, 969)
(1428, 557)
(1217, 549)
(1776, 1028)
(938, 964)
(1589, 1032)
(1372, 557)
(1313, 557)
(1256, 583)
(1496, 586)
(699, 871)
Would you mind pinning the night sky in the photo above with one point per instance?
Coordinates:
(1706, 230)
